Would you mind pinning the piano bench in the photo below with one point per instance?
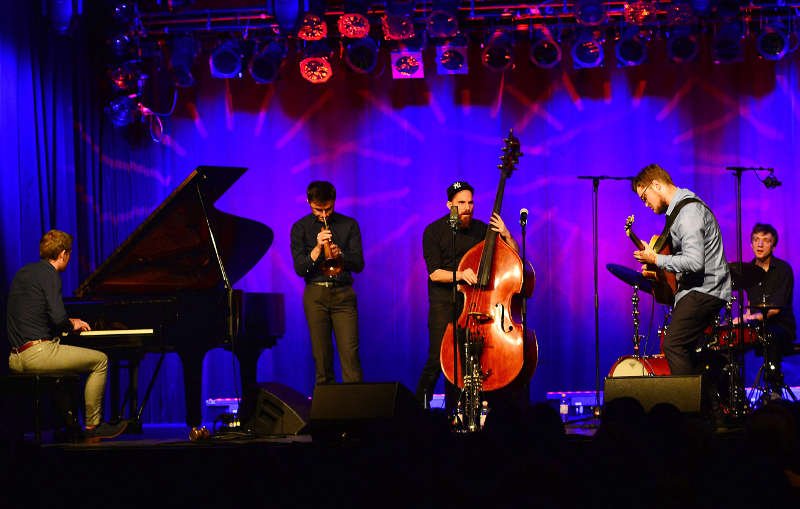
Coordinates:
(37, 401)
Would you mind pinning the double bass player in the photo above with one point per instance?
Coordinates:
(441, 262)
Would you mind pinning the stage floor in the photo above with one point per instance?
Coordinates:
(425, 467)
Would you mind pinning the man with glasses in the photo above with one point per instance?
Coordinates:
(698, 261)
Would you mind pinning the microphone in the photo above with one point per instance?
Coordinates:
(523, 217)
(771, 181)
(454, 216)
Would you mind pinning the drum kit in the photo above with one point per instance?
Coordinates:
(723, 345)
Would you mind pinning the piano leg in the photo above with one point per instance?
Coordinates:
(192, 379)
(248, 361)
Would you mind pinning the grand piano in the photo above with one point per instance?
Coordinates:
(168, 288)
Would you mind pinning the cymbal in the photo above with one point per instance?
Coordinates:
(763, 306)
(631, 277)
(749, 276)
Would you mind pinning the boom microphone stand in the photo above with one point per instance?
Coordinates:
(738, 402)
(595, 188)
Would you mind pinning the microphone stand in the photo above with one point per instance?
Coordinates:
(595, 188)
(523, 222)
(454, 229)
(737, 401)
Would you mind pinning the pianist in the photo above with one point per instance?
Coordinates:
(36, 318)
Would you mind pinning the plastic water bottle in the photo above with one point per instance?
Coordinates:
(563, 408)
(484, 412)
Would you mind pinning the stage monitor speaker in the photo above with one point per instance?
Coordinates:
(363, 408)
(278, 410)
(682, 391)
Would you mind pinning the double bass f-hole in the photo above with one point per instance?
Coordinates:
(331, 265)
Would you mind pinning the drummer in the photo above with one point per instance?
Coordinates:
(770, 296)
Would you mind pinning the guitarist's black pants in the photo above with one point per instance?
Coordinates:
(691, 315)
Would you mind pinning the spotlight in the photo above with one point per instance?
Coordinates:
(361, 55)
(63, 15)
(640, 13)
(496, 54)
(184, 50)
(442, 22)
(451, 57)
(315, 67)
(442, 25)
(122, 110)
(631, 49)
(727, 10)
(590, 12)
(398, 22)
(772, 42)
(312, 27)
(701, 7)
(680, 12)
(123, 13)
(124, 78)
(265, 64)
(587, 51)
(407, 64)
(545, 51)
(226, 61)
(682, 45)
(727, 45)
(121, 45)
(288, 14)
(353, 23)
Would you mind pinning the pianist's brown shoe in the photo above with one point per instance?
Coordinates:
(105, 431)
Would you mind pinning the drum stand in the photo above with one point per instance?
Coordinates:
(769, 383)
(738, 404)
(637, 338)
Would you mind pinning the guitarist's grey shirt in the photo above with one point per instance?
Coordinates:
(698, 258)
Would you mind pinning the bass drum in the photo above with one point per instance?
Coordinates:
(648, 365)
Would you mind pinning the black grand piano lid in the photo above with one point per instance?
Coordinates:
(172, 249)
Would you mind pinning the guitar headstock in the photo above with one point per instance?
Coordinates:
(628, 224)
(511, 154)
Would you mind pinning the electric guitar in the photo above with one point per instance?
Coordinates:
(664, 282)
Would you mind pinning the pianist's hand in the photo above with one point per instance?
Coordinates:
(79, 325)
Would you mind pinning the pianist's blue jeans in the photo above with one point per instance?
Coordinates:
(333, 310)
(49, 356)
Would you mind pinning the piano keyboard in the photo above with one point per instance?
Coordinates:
(119, 332)
(123, 332)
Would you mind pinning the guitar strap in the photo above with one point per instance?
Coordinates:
(664, 237)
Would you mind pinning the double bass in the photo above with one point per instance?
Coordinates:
(493, 349)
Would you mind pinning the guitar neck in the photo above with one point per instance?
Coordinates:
(636, 241)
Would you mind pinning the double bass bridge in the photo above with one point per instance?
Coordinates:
(479, 317)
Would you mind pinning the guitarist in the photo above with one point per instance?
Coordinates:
(697, 259)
